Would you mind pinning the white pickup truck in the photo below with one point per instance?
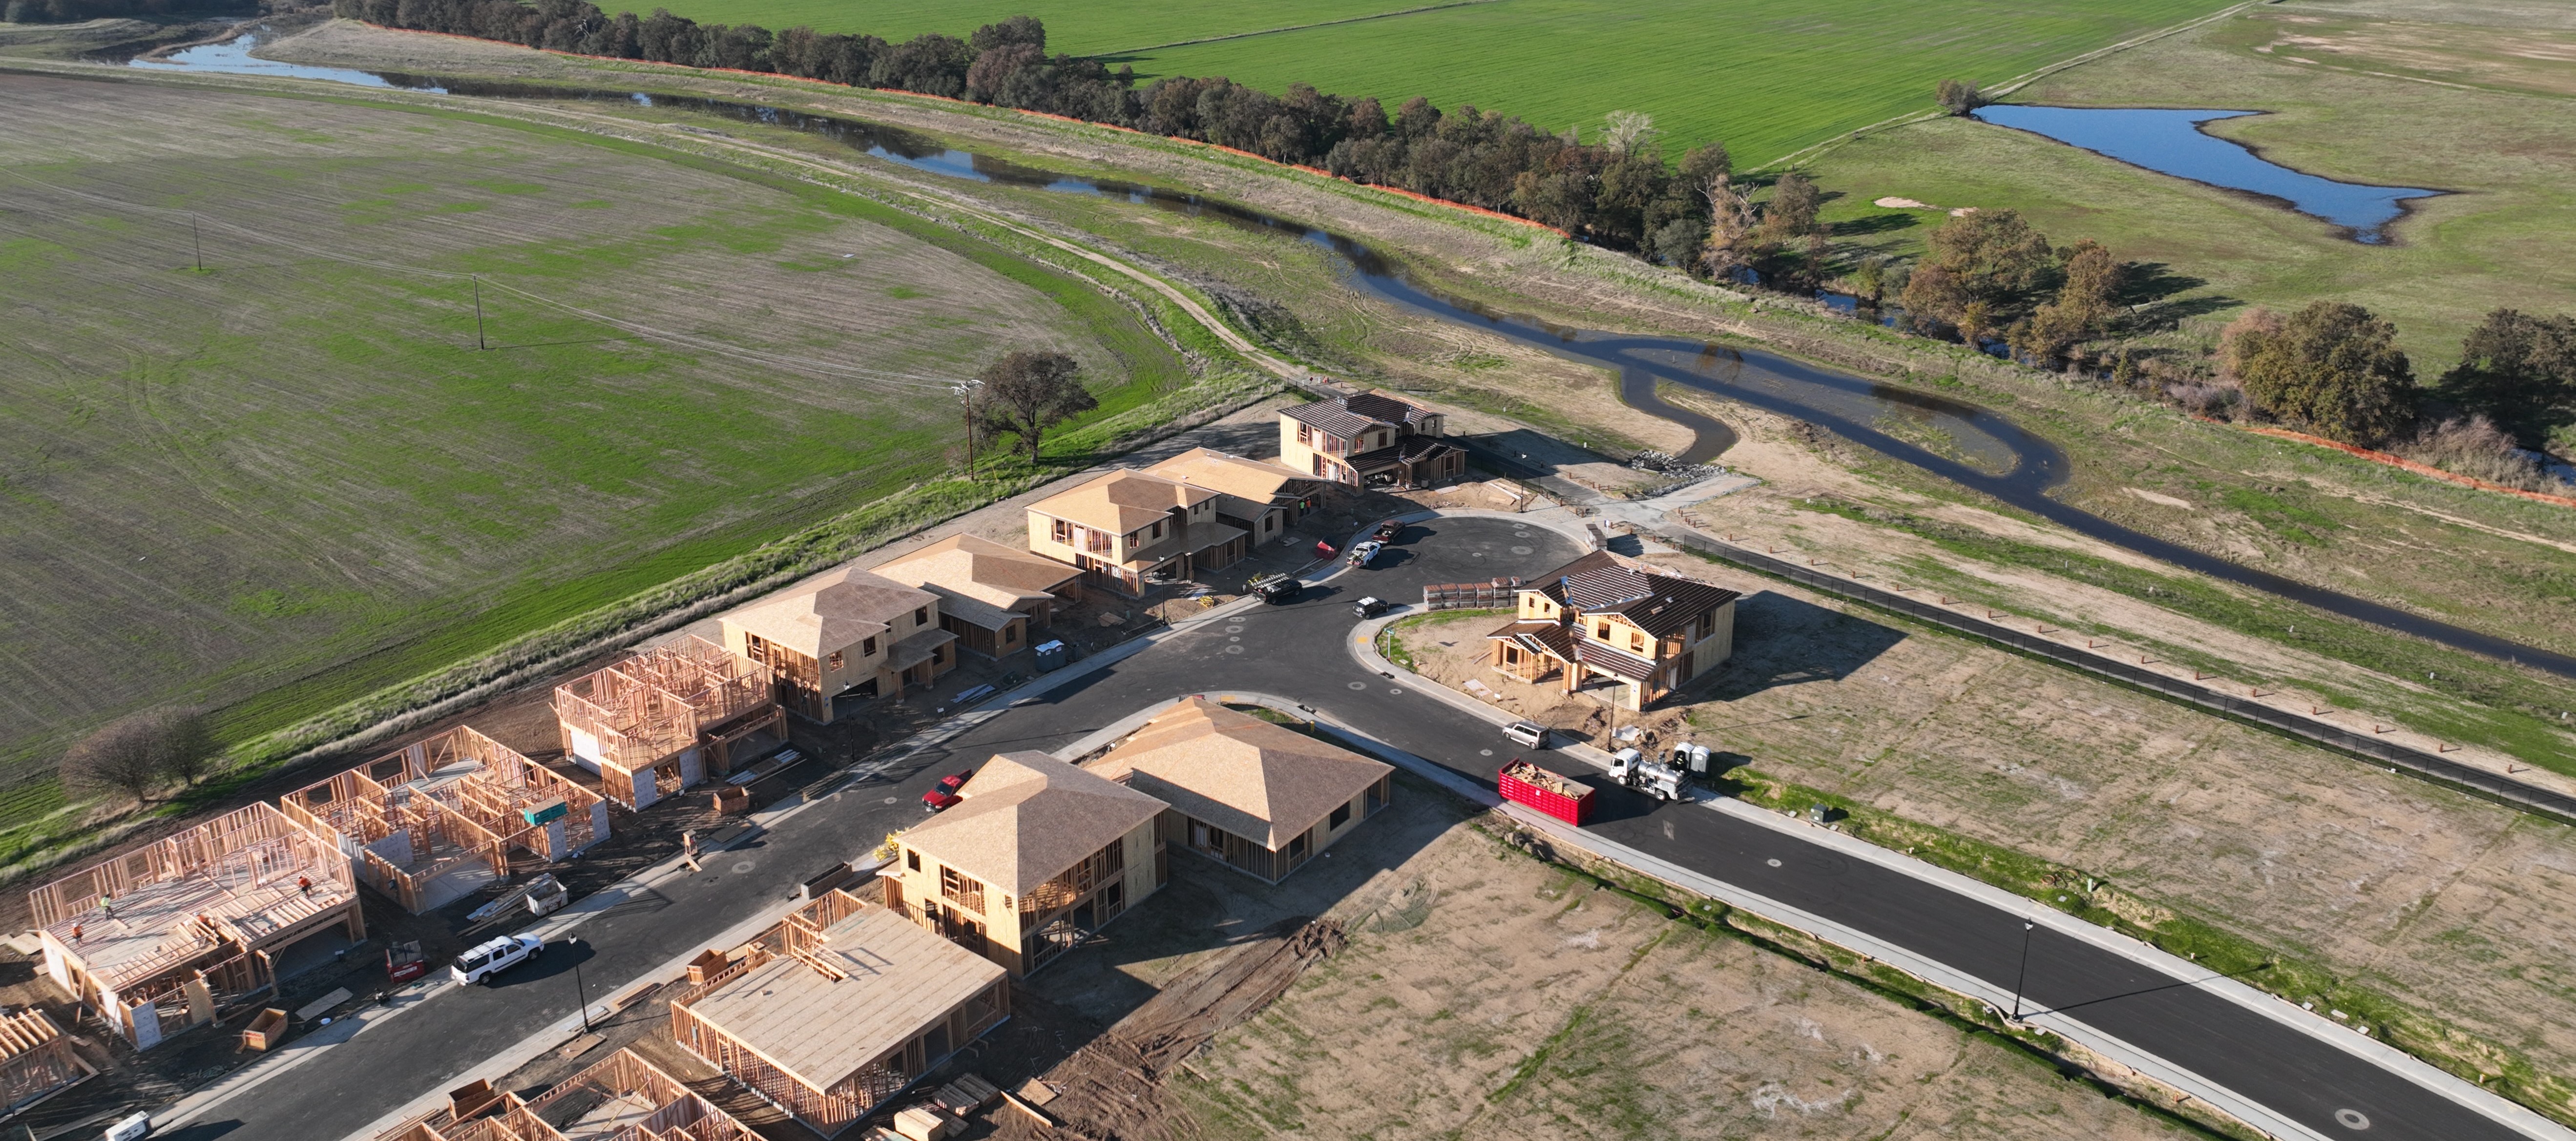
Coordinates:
(485, 960)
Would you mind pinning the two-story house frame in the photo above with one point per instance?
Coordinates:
(843, 631)
(1036, 856)
(1129, 530)
(1261, 497)
(1597, 619)
(1369, 440)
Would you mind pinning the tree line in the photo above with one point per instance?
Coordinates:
(75, 11)
(1618, 191)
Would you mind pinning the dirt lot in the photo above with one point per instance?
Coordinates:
(2453, 909)
(1484, 994)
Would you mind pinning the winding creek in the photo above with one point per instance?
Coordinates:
(1986, 452)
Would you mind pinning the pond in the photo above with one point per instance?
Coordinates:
(1972, 446)
(233, 56)
(2172, 142)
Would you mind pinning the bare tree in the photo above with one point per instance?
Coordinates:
(1959, 96)
(187, 746)
(1027, 393)
(1628, 131)
(1730, 225)
(124, 755)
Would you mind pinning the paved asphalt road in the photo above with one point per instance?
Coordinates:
(1298, 650)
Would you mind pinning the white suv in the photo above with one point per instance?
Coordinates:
(488, 959)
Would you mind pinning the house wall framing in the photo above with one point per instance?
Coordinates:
(679, 1114)
(478, 817)
(674, 711)
(36, 1060)
(160, 938)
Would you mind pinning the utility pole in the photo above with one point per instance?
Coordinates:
(581, 994)
(197, 240)
(478, 314)
(965, 390)
(2024, 976)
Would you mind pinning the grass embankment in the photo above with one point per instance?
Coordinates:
(1765, 82)
(2505, 149)
(2496, 1065)
(301, 484)
(1390, 643)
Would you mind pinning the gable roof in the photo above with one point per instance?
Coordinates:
(1552, 584)
(830, 612)
(1348, 416)
(1257, 480)
(972, 567)
(1026, 817)
(1656, 603)
(1261, 781)
(1121, 501)
(902, 980)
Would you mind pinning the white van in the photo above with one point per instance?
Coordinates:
(488, 959)
(1528, 733)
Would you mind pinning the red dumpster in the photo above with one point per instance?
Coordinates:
(1545, 791)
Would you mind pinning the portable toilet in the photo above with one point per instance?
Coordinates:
(1054, 655)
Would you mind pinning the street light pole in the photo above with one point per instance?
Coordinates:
(2024, 976)
(965, 390)
(580, 992)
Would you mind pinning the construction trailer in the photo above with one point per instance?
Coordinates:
(162, 938)
(437, 820)
(621, 1098)
(665, 719)
(36, 1060)
(838, 1008)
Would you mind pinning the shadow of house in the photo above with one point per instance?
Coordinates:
(1788, 641)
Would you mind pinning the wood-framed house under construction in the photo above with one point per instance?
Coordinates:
(1369, 440)
(430, 823)
(1130, 531)
(845, 631)
(665, 719)
(839, 1007)
(991, 596)
(1263, 498)
(1647, 634)
(1036, 856)
(36, 1060)
(1262, 798)
(162, 938)
(622, 1097)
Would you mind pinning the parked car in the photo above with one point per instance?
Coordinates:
(1387, 531)
(1528, 733)
(1279, 590)
(1365, 551)
(1371, 607)
(945, 795)
(488, 959)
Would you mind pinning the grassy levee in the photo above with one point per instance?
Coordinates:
(2501, 141)
(570, 484)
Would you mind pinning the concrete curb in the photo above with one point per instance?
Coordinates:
(1363, 647)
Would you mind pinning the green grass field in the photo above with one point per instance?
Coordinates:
(2508, 151)
(1766, 80)
(293, 479)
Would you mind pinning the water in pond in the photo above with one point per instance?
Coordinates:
(1954, 440)
(2172, 142)
(234, 56)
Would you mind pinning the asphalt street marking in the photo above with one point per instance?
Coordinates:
(1773, 863)
(1234, 639)
(2351, 1119)
(1234, 649)
(1396, 692)
(894, 800)
(1521, 550)
(743, 866)
(1359, 685)
(1484, 752)
(1234, 629)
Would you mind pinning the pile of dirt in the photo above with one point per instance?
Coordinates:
(1112, 1089)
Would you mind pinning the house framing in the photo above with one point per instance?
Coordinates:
(664, 719)
(36, 1060)
(839, 1007)
(621, 1098)
(158, 939)
(431, 822)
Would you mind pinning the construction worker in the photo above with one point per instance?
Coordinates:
(76, 934)
(689, 849)
(304, 884)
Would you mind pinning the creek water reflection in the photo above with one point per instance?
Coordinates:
(2171, 142)
(1964, 443)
